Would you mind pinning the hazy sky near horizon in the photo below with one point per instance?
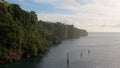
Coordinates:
(92, 15)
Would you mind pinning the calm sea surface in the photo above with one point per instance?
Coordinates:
(98, 50)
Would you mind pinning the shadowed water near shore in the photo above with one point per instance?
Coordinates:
(98, 50)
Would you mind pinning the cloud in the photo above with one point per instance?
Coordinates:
(93, 15)
(63, 4)
(68, 4)
(44, 1)
(84, 2)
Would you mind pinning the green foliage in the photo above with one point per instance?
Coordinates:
(58, 31)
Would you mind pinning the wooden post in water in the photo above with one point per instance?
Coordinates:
(88, 51)
(81, 54)
(68, 61)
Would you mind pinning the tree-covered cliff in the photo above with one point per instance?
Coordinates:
(23, 36)
(62, 31)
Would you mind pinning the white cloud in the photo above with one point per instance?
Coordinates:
(68, 4)
(63, 4)
(44, 1)
(100, 15)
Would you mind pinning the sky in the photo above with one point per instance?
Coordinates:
(92, 15)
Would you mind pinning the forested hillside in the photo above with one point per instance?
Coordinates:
(23, 36)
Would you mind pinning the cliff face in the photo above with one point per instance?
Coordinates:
(62, 31)
(22, 36)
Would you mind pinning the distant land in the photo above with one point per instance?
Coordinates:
(23, 36)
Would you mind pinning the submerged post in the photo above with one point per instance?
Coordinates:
(81, 54)
(88, 51)
(68, 60)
